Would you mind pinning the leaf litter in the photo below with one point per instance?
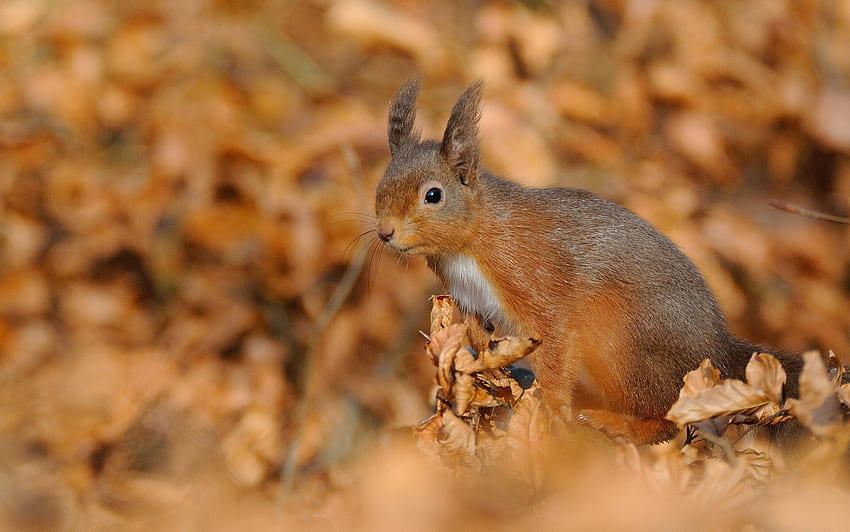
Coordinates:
(173, 177)
(485, 418)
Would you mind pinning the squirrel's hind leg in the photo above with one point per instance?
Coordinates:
(624, 428)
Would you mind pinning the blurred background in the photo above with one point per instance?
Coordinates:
(188, 318)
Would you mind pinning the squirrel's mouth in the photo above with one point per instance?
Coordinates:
(406, 250)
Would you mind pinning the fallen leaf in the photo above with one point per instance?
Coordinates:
(442, 348)
(764, 372)
(442, 312)
(742, 401)
(818, 407)
(462, 393)
(457, 440)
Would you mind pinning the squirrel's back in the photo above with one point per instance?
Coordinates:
(581, 265)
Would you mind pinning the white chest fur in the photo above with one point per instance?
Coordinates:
(472, 291)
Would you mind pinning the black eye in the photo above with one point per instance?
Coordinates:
(434, 195)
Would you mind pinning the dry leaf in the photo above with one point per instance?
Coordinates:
(505, 351)
(482, 395)
(457, 440)
(817, 408)
(462, 393)
(173, 186)
(698, 380)
(442, 348)
(442, 312)
(764, 372)
(744, 402)
(466, 362)
(844, 394)
(527, 436)
(836, 369)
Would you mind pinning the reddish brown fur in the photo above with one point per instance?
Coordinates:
(622, 313)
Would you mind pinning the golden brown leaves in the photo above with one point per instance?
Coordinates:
(483, 413)
(484, 416)
(172, 188)
(709, 404)
(818, 407)
(705, 395)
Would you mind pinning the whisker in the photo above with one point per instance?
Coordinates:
(356, 239)
(375, 253)
(351, 217)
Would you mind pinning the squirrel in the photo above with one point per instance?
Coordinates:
(622, 313)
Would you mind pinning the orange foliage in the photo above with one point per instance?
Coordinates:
(190, 333)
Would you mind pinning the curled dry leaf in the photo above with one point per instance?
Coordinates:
(490, 394)
(465, 362)
(463, 391)
(765, 373)
(490, 411)
(526, 437)
(818, 407)
(705, 396)
(844, 394)
(718, 480)
(442, 312)
(457, 440)
(502, 352)
(507, 350)
(836, 369)
(698, 380)
(442, 349)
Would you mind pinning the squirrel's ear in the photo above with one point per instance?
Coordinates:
(460, 141)
(402, 116)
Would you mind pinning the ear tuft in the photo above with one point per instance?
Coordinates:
(403, 115)
(460, 141)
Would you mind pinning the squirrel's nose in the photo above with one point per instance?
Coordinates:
(385, 232)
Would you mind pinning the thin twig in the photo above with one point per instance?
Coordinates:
(794, 209)
(343, 289)
(337, 299)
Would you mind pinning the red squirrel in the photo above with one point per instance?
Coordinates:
(622, 313)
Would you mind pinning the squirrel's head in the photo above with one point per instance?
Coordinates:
(426, 202)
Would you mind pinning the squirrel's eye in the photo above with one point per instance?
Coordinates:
(434, 195)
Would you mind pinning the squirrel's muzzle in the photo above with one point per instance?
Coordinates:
(385, 232)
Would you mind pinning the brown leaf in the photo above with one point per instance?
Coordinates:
(764, 372)
(250, 448)
(836, 369)
(485, 397)
(829, 118)
(697, 137)
(462, 393)
(817, 408)
(527, 436)
(700, 379)
(844, 394)
(450, 340)
(442, 312)
(457, 439)
(507, 350)
(720, 480)
(374, 23)
(441, 349)
(429, 429)
(759, 465)
(728, 398)
(493, 390)
(465, 362)
(705, 396)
